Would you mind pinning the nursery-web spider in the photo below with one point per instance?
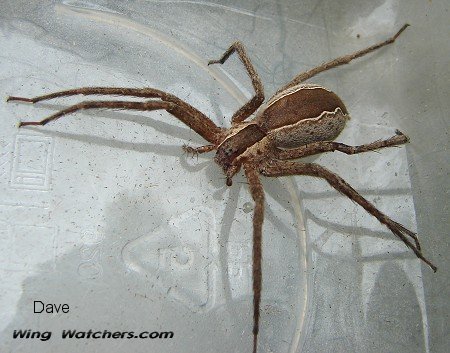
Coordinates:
(299, 120)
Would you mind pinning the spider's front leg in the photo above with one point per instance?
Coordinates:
(189, 115)
(253, 104)
(143, 106)
(275, 168)
(257, 193)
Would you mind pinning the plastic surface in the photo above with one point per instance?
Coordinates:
(101, 210)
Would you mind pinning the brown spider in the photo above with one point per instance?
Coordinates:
(299, 120)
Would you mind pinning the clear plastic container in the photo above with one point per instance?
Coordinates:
(101, 210)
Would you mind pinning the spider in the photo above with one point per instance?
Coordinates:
(299, 120)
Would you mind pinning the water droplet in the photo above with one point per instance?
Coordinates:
(248, 207)
(182, 257)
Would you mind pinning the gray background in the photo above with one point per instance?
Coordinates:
(101, 210)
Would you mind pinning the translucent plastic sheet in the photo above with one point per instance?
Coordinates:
(101, 210)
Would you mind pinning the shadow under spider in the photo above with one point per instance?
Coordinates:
(358, 231)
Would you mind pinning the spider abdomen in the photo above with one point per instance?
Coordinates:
(303, 114)
(325, 127)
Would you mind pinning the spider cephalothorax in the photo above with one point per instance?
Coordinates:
(298, 121)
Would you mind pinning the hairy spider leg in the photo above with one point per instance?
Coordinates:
(275, 168)
(189, 115)
(257, 192)
(144, 106)
(331, 146)
(118, 91)
(340, 61)
(253, 104)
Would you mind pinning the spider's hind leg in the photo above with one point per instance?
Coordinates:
(275, 168)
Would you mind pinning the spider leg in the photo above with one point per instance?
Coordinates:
(276, 168)
(189, 115)
(331, 146)
(257, 193)
(341, 60)
(250, 107)
(143, 106)
(119, 91)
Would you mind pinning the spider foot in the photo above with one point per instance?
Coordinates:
(193, 152)
(406, 25)
(19, 99)
(401, 229)
(399, 133)
(31, 123)
(403, 233)
(212, 62)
